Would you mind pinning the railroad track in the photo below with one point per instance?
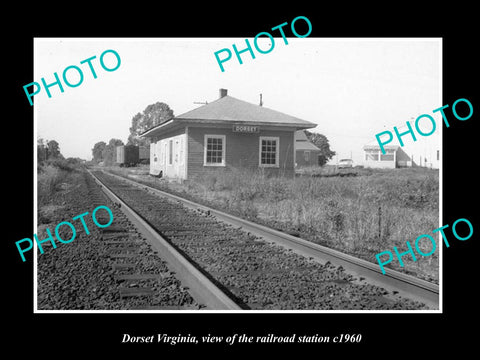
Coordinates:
(231, 263)
(112, 268)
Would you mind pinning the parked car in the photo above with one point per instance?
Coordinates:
(345, 163)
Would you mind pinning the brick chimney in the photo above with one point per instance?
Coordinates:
(223, 93)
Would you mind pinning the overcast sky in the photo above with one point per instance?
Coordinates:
(351, 88)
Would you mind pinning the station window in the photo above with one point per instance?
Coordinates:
(388, 156)
(170, 152)
(214, 150)
(269, 151)
(164, 155)
(371, 155)
(181, 151)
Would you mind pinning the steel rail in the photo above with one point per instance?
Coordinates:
(406, 285)
(202, 289)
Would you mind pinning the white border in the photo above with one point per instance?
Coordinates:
(438, 311)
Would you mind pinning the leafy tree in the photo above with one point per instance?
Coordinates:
(97, 151)
(153, 115)
(48, 150)
(109, 152)
(321, 142)
(41, 150)
(54, 150)
(74, 160)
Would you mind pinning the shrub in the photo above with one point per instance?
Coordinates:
(50, 174)
(48, 180)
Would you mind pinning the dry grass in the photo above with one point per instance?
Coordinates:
(361, 215)
(50, 177)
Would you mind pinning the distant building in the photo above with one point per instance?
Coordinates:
(425, 152)
(394, 157)
(306, 153)
(226, 133)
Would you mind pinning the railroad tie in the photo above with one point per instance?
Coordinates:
(134, 291)
(139, 277)
(113, 229)
(123, 266)
(122, 256)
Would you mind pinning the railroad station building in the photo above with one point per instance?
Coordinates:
(224, 134)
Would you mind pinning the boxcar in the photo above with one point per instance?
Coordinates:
(127, 155)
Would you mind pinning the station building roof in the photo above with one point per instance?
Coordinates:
(302, 142)
(373, 145)
(228, 109)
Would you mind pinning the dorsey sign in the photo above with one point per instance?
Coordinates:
(246, 128)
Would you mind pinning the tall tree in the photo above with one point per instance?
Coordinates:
(154, 114)
(109, 152)
(97, 151)
(41, 150)
(321, 142)
(136, 129)
(54, 150)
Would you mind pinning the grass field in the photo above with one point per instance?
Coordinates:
(358, 211)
